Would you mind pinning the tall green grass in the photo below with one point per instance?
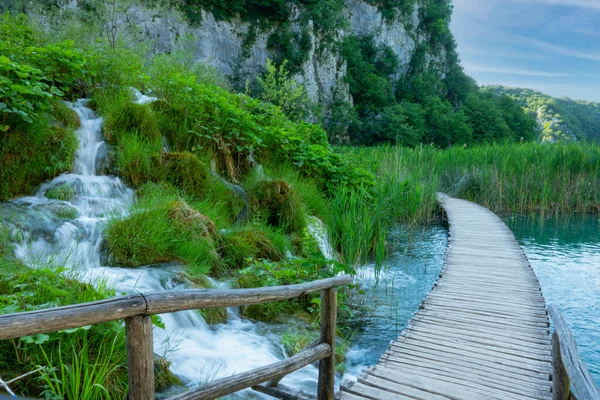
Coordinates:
(506, 178)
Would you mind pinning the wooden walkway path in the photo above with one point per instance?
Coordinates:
(481, 333)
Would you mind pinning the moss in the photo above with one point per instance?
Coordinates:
(187, 172)
(131, 118)
(32, 156)
(173, 124)
(139, 161)
(252, 242)
(295, 342)
(277, 204)
(163, 377)
(171, 232)
(64, 192)
(65, 115)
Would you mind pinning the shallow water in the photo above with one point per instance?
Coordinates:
(393, 296)
(565, 255)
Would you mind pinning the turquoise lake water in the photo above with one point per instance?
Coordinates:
(565, 255)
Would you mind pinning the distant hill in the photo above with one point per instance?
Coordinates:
(558, 119)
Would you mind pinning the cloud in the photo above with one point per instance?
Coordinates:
(595, 4)
(565, 51)
(515, 71)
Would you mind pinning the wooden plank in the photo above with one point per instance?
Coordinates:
(483, 331)
(68, 317)
(373, 393)
(456, 389)
(400, 387)
(470, 378)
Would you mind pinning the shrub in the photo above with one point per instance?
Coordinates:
(276, 203)
(260, 273)
(170, 231)
(131, 118)
(33, 156)
(252, 242)
(187, 172)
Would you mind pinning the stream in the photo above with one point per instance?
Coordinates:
(70, 234)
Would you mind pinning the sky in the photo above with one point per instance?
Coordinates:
(548, 45)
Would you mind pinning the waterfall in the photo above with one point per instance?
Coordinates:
(198, 352)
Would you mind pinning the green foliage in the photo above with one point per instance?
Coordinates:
(187, 172)
(559, 119)
(260, 273)
(242, 245)
(520, 178)
(82, 363)
(131, 118)
(31, 157)
(297, 341)
(168, 231)
(277, 204)
(138, 160)
(62, 192)
(279, 89)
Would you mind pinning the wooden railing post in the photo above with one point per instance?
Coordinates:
(328, 326)
(561, 385)
(140, 357)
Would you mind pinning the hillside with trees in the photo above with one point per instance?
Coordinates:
(558, 118)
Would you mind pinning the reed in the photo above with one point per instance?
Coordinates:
(519, 178)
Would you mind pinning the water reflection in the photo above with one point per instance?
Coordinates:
(565, 255)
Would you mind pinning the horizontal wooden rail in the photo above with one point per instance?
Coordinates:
(136, 310)
(78, 315)
(225, 386)
(568, 369)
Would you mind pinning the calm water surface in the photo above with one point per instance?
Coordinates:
(393, 296)
(565, 255)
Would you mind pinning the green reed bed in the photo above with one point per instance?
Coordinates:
(517, 177)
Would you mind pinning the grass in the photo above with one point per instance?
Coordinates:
(32, 155)
(506, 178)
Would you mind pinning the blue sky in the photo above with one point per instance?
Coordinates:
(548, 45)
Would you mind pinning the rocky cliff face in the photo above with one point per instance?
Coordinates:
(224, 44)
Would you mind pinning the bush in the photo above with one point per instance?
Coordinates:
(252, 242)
(31, 157)
(131, 118)
(187, 172)
(261, 273)
(167, 232)
(276, 203)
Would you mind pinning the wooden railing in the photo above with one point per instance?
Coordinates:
(570, 377)
(137, 310)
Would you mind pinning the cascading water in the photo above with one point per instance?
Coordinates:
(198, 352)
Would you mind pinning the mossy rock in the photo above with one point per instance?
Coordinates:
(62, 211)
(187, 172)
(65, 115)
(173, 232)
(194, 223)
(277, 203)
(249, 242)
(131, 118)
(63, 192)
(33, 156)
(172, 122)
(210, 315)
(163, 377)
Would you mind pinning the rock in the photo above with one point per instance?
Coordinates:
(106, 160)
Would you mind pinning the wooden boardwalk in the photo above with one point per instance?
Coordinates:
(481, 333)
